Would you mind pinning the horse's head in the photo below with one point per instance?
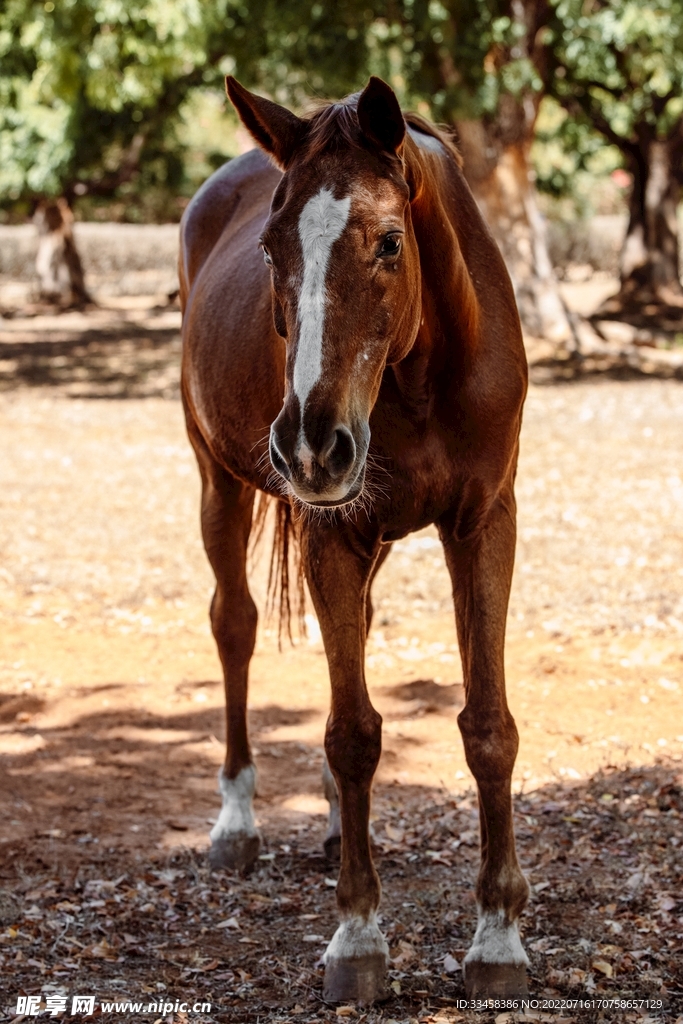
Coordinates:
(345, 278)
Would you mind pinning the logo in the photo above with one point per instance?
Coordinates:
(30, 1006)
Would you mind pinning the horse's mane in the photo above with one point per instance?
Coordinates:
(443, 132)
(335, 123)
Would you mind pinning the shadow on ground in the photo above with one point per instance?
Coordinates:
(123, 360)
(425, 696)
(630, 365)
(138, 357)
(106, 902)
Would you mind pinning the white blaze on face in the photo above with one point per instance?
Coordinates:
(321, 222)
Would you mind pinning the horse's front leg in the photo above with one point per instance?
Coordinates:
(338, 573)
(481, 572)
(226, 513)
(332, 844)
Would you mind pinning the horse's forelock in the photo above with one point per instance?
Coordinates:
(333, 126)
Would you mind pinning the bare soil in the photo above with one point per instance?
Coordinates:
(111, 723)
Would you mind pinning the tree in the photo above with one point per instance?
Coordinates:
(90, 93)
(58, 263)
(482, 65)
(617, 65)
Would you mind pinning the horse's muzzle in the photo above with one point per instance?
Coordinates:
(332, 474)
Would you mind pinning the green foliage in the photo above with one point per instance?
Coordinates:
(618, 64)
(99, 98)
(97, 95)
(122, 100)
(86, 86)
(573, 166)
(455, 56)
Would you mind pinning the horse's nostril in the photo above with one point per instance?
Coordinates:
(277, 458)
(340, 454)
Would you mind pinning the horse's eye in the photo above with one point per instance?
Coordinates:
(267, 259)
(391, 246)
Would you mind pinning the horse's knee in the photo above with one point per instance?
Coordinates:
(353, 745)
(234, 622)
(491, 742)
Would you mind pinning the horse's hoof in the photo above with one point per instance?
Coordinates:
(358, 979)
(494, 981)
(237, 852)
(332, 848)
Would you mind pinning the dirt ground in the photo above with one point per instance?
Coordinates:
(111, 723)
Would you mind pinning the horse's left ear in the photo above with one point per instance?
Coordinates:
(379, 115)
(276, 129)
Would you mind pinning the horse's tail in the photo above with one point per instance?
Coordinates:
(285, 591)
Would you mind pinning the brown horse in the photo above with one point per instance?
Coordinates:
(345, 300)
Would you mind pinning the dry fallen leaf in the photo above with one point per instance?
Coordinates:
(577, 977)
(405, 954)
(99, 951)
(603, 967)
(450, 964)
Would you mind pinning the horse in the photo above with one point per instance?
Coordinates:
(352, 349)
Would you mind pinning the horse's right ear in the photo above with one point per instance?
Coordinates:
(276, 129)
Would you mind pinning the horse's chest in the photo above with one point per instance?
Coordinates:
(422, 478)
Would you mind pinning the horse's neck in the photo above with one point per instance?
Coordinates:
(449, 295)
(448, 335)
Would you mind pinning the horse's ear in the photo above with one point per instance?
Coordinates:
(379, 115)
(276, 129)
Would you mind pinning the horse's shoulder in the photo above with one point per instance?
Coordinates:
(239, 185)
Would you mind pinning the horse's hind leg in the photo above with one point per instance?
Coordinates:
(481, 570)
(332, 844)
(226, 512)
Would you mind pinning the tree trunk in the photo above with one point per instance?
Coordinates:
(500, 179)
(649, 264)
(58, 265)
